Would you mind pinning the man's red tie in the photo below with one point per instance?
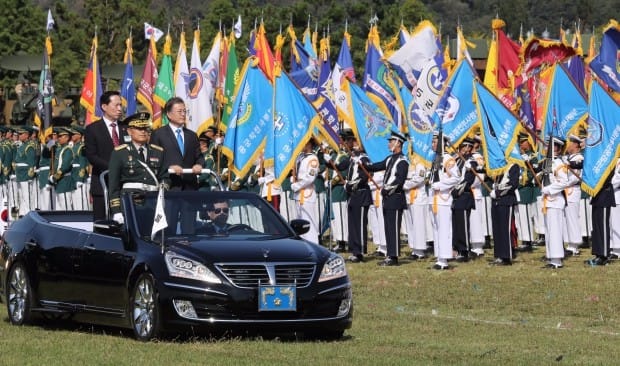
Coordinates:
(114, 135)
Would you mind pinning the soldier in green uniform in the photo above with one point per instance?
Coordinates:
(24, 164)
(136, 166)
(206, 182)
(78, 171)
(9, 172)
(43, 174)
(528, 193)
(338, 165)
(63, 164)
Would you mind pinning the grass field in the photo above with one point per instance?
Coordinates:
(473, 314)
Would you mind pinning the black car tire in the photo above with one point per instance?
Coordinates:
(19, 296)
(144, 309)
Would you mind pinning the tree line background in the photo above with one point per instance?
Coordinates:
(22, 26)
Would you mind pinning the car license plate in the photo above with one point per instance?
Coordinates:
(277, 298)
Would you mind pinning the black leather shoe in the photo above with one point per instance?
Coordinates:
(501, 262)
(524, 248)
(540, 242)
(415, 257)
(553, 266)
(440, 267)
(461, 258)
(614, 256)
(571, 253)
(356, 258)
(378, 254)
(389, 261)
(597, 261)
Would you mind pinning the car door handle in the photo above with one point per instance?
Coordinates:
(32, 244)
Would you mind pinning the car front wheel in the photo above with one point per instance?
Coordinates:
(144, 307)
(19, 299)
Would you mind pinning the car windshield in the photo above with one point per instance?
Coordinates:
(209, 214)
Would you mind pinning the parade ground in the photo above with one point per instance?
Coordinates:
(472, 314)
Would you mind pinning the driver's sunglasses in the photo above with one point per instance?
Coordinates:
(220, 210)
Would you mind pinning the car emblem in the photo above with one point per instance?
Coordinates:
(265, 253)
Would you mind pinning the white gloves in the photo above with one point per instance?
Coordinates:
(218, 141)
(525, 157)
(79, 184)
(12, 177)
(261, 180)
(327, 158)
(118, 217)
(493, 195)
(436, 186)
(47, 187)
(545, 190)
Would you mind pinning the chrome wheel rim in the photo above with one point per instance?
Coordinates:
(18, 294)
(143, 308)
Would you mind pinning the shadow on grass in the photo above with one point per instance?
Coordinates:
(52, 324)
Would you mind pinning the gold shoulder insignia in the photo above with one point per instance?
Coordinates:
(156, 147)
(120, 147)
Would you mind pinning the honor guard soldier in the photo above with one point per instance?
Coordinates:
(574, 164)
(269, 190)
(463, 201)
(337, 165)
(12, 188)
(394, 202)
(61, 178)
(43, 174)
(614, 215)
(445, 177)
(554, 201)
(415, 215)
(503, 203)
(478, 216)
(80, 163)
(24, 165)
(527, 211)
(302, 185)
(206, 182)
(136, 166)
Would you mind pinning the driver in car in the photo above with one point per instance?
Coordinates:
(218, 213)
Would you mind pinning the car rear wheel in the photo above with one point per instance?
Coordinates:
(19, 299)
(144, 307)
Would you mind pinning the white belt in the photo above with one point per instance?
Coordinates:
(75, 165)
(44, 168)
(21, 164)
(141, 186)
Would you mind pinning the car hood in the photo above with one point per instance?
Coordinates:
(278, 250)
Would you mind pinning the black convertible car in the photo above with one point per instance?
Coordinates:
(226, 260)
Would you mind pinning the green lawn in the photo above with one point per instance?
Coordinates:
(473, 314)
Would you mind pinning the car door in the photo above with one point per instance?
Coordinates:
(102, 270)
(54, 250)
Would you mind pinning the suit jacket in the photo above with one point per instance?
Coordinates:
(166, 138)
(98, 147)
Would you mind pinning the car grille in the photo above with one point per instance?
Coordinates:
(251, 275)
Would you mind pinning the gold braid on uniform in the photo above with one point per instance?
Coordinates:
(115, 202)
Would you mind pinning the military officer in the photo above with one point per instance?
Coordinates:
(602, 204)
(206, 182)
(337, 168)
(415, 215)
(478, 215)
(61, 178)
(136, 166)
(502, 214)
(614, 215)
(78, 172)
(394, 202)
(574, 163)
(43, 174)
(528, 192)
(375, 215)
(463, 201)
(24, 165)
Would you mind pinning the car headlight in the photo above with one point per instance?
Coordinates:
(333, 268)
(180, 266)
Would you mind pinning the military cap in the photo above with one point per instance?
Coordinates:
(467, 142)
(558, 141)
(21, 129)
(203, 137)
(524, 137)
(138, 120)
(397, 136)
(63, 131)
(77, 129)
(212, 129)
(347, 133)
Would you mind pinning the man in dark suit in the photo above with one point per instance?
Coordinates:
(394, 201)
(182, 152)
(218, 213)
(602, 202)
(504, 200)
(100, 138)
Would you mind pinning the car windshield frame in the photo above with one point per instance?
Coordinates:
(250, 216)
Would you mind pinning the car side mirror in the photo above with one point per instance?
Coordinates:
(300, 226)
(108, 227)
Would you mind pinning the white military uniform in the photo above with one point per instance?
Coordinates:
(572, 230)
(268, 186)
(553, 208)
(305, 194)
(478, 216)
(440, 206)
(375, 213)
(417, 201)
